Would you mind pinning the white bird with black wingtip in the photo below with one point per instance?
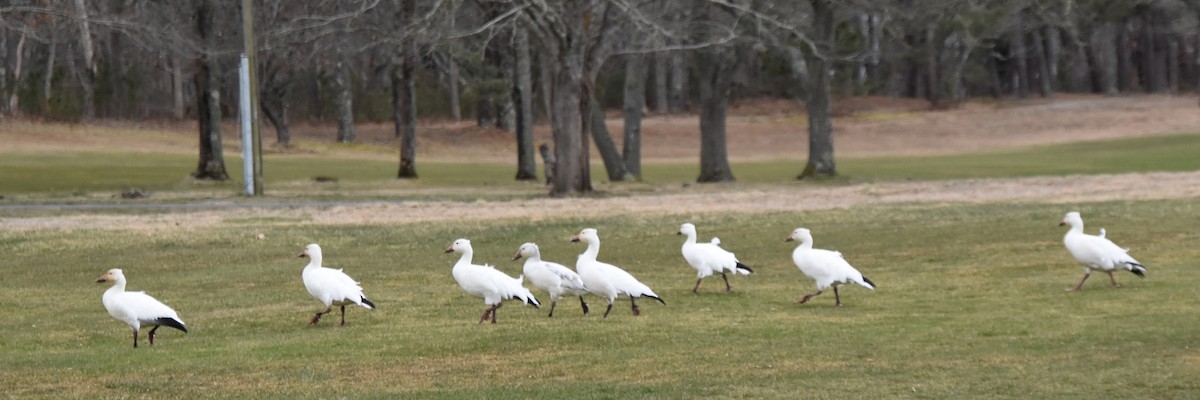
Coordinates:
(1096, 253)
(487, 282)
(709, 258)
(827, 268)
(556, 279)
(331, 287)
(137, 308)
(607, 280)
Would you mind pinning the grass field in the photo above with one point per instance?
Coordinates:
(970, 300)
(970, 305)
(81, 174)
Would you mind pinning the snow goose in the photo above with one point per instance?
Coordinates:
(331, 287)
(1096, 252)
(136, 308)
(826, 267)
(487, 282)
(554, 278)
(709, 258)
(607, 280)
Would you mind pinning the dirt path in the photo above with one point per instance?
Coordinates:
(1064, 189)
(761, 129)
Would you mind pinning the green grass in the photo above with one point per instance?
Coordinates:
(969, 305)
(83, 174)
(1146, 154)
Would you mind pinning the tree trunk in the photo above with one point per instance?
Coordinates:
(507, 110)
(713, 70)
(177, 88)
(523, 98)
(14, 98)
(48, 76)
(678, 97)
(1125, 78)
(274, 107)
(452, 73)
(406, 106)
(1173, 71)
(549, 162)
(635, 103)
(89, 61)
(344, 103)
(1153, 72)
(1020, 56)
(932, 68)
(660, 82)
(208, 99)
(1043, 64)
(819, 105)
(546, 75)
(571, 173)
(613, 164)
(1103, 57)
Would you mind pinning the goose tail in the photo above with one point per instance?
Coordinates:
(1136, 269)
(171, 322)
(367, 303)
(867, 283)
(743, 269)
(655, 297)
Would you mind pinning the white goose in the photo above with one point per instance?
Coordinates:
(1096, 252)
(826, 267)
(709, 258)
(487, 282)
(554, 278)
(607, 280)
(331, 287)
(136, 308)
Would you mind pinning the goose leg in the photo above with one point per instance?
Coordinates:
(808, 296)
(552, 304)
(135, 338)
(497, 307)
(317, 316)
(1080, 285)
(1114, 280)
(608, 309)
(584, 304)
(636, 311)
(837, 296)
(343, 323)
(726, 278)
(697, 288)
(486, 313)
(151, 335)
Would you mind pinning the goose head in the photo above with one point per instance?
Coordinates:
(687, 229)
(460, 245)
(588, 235)
(802, 235)
(312, 251)
(527, 250)
(113, 275)
(1072, 218)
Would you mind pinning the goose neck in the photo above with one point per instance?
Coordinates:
(593, 249)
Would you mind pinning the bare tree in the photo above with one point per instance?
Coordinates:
(404, 90)
(208, 95)
(634, 104)
(715, 66)
(523, 99)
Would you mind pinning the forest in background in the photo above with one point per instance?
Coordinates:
(510, 63)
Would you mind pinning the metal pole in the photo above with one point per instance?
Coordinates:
(256, 138)
(244, 114)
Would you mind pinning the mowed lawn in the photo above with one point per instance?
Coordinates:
(83, 174)
(970, 304)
